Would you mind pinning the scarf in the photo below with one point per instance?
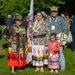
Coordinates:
(37, 25)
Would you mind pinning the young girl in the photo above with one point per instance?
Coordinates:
(53, 50)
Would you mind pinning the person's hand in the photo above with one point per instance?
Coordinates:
(69, 32)
(51, 54)
(4, 27)
(45, 45)
(9, 40)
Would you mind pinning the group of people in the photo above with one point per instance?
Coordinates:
(37, 42)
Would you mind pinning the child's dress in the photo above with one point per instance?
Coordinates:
(53, 50)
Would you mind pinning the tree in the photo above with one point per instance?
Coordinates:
(14, 6)
(22, 6)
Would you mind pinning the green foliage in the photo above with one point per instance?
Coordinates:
(14, 6)
(22, 6)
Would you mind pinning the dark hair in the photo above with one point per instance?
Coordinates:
(25, 18)
(40, 13)
(53, 34)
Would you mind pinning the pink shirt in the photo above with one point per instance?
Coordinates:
(53, 47)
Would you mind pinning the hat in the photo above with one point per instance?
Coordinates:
(54, 9)
(20, 18)
(9, 14)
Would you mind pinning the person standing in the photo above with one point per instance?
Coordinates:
(10, 21)
(72, 29)
(53, 51)
(41, 34)
(67, 20)
(16, 52)
(0, 32)
(57, 25)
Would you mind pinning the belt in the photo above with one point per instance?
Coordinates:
(39, 36)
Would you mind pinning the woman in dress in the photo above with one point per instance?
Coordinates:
(41, 34)
(16, 52)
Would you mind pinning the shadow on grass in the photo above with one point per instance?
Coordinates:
(1, 56)
(23, 68)
(28, 66)
(6, 45)
(69, 45)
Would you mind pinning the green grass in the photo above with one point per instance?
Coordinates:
(70, 65)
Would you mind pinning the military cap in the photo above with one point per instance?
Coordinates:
(54, 9)
(20, 18)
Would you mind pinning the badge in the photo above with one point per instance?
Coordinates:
(53, 27)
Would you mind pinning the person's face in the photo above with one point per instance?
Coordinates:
(28, 16)
(39, 17)
(14, 38)
(62, 15)
(52, 38)
(18, 22)
(54, 14)
(16, 16)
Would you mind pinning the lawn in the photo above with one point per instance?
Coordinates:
(5, 70)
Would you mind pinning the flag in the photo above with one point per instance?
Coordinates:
(30, 33)
(32, 9)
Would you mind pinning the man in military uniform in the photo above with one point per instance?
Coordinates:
(57, 25)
